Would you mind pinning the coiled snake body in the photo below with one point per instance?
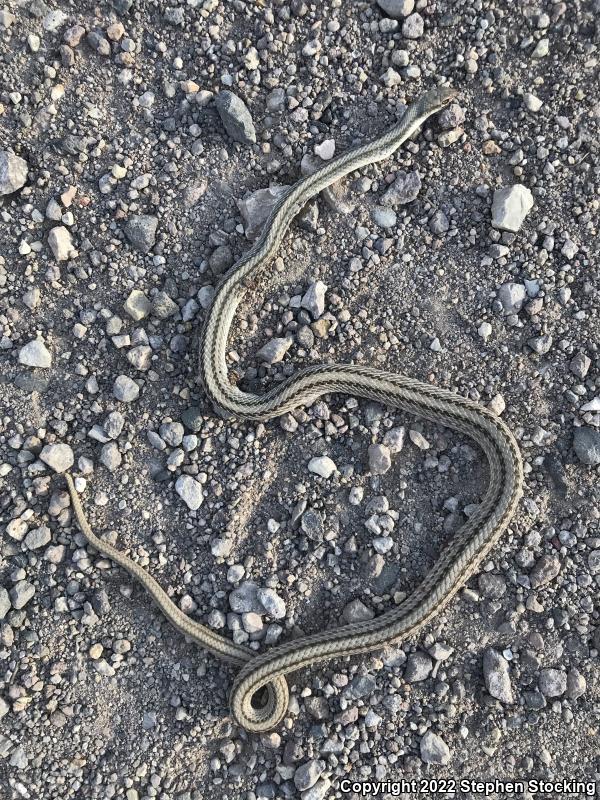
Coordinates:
(459, 559)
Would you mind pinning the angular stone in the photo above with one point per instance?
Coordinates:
(5, 604)
(512, 296)
(140, 230)
(59, 457)
(553, 682)
(434, 749)
(396, 9)
(413, 26)
(314, 299)
(273, 604)
(322, 465)
(418, 667)
(21, 594)
(256, 207)
(125, 389)
(544, 571)
(35, 354)
(586, 443)
(403, 190)
(38, 537)
(13, 172)
(190, 491)
(59, 240)
(274, 351)
(510, 206)
(497, 676)
(308, 774)
(379, 459)
(235, 117)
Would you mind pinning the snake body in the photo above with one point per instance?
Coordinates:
(263, 676)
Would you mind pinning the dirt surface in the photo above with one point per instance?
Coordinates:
(132, 182)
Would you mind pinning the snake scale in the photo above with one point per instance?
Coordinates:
(259, 697)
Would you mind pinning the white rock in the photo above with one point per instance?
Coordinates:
(13, 172)
(58, 456)
(322, 465)
(35, 354)
(510, 207)
(137, 305)
(190, 491)
(54, 20)
(326, 149)
(434, 749)
(60, 243)
(532, 103)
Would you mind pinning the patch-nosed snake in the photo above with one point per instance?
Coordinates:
(459, 559)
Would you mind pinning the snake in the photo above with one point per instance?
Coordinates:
(259, 696)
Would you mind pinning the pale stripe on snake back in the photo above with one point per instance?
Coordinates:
(458, 560)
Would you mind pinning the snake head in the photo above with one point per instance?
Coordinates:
(436, 99)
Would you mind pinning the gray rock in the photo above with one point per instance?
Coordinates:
(510, 206)
(58, 457)
(140, 230)
(272, 603)
(163, 306)
(553, 682)
(586, 443)
(313, 299)
(221, 259)
(190, 491)
(540, 344)
(379, 459)
(59, 240)
(5, 603)
(512, 296)
(317, 792)
(434, 749)
(256, 207)
(21, 594)
(172, 433)
(418, 667)
(403, 190)
(35, 354)
(4, 707)
(244, 599)
(312, 524)
(452, 117)
(140, 357)
(394, 439)
(396, 9)
(544, 571)
(274, 351)
(580, 365)
(497, 676)
(137, 305)
(38, 537)
(113, 424)
(576, 684)
(306, 775)
(413, 26)
(126, 389)
(356, 611)
(13, 172)
(322, 465)
(193, 419)
(439, 223)
(110, 456)
(384, 217)
(235, 117)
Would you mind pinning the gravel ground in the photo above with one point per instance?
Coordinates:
(138, 143)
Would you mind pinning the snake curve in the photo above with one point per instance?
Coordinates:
(461, 557)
